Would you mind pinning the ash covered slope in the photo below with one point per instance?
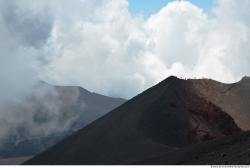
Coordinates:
(53, 112)
(162, 120)
(232, 150)
(229, 150)
(231, 98)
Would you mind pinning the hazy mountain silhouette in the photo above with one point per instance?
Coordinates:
(160, 126)
(76, 107)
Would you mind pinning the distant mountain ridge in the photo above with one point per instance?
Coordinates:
(162, 121)
(56, 112)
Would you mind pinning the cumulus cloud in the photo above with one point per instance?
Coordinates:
(102, 47)
(117, 54)
(106, 49)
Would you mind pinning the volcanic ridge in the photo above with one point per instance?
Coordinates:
(175, 122)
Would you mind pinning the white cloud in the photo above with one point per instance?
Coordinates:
(116, 54)
(99, 45)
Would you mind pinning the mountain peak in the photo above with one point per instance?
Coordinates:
(170, 79)
(245, 79)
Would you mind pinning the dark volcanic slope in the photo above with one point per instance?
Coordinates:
(233, 150)
(67, 107)
(160, 121)
(230, 150)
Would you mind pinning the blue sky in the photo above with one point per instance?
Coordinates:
(148, 7)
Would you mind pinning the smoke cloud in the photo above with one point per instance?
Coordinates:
(27, 108)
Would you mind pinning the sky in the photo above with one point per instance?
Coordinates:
(149, 7)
